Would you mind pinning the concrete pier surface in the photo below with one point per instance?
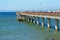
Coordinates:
(34, 17)
(55, 15)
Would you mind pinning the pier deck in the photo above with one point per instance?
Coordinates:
(54, 15)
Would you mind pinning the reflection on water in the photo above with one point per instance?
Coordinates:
(11, 29)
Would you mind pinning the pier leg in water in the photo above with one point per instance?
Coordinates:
(31, 20)
(28, 19)
(48, 24)
(25, 18)
(42, 25)
(56, 26)
(42, 22)
(34, 20)
(37, 20)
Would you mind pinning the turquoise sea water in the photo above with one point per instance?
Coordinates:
(12, 29)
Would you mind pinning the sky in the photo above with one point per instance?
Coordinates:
(23, 5)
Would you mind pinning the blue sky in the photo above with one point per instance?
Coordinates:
(22, 5)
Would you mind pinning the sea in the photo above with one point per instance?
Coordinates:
(12, 29)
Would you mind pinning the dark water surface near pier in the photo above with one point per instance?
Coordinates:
(12, 29)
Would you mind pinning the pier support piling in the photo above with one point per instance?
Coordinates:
(37, 20)
(56, 26)
(48, 24)
(42, 22)
(28, 19)
(31, 20)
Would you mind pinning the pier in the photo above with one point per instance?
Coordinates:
(34, 17)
